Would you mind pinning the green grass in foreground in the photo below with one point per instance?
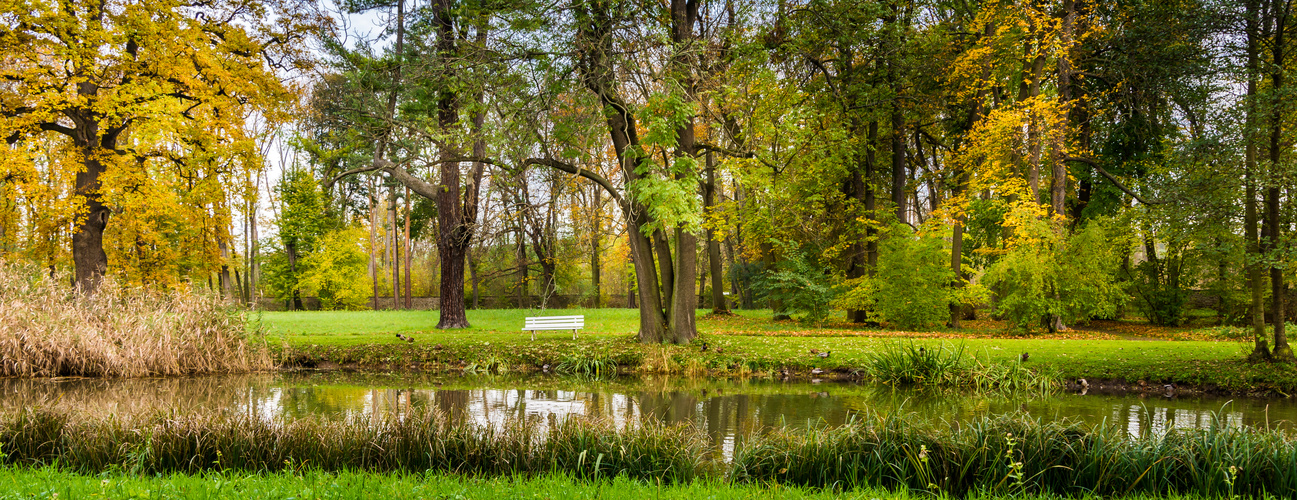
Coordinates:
(49, 482)
(748, 341)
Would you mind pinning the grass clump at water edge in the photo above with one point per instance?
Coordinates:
(50, 329)
(950, 366)
(991, 456)
(420, 440)
(1016, 456)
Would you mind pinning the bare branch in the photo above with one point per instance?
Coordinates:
(596, 178)
(1113, 179)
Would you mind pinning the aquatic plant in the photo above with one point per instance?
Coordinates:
(989, 456)
(50, 329)
(950, 366)
(1014, 455)
(587, 366)
(419, 440)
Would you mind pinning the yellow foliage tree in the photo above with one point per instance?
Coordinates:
(143, 105)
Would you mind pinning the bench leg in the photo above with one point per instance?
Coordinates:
(574, 334)
(533, 334)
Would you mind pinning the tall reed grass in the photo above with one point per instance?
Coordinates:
(49, 329)
(1015, 455)
(992, 456)
(423, 440)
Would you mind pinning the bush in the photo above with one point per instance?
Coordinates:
(1044, 274)
(801, 283)
(912, 287)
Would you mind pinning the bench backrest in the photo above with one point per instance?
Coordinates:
(556, 322)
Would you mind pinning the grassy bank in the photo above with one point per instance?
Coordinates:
(48, 482)
(48, 329)
(752, 344)
(989, 456)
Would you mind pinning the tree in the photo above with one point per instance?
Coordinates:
(303, 220)
(134, 86)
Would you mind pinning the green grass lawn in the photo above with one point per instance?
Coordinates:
(752, 340)
(51, 483)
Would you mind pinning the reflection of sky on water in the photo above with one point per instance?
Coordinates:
(724, 410)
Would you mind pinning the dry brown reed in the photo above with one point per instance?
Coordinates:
(49, 329)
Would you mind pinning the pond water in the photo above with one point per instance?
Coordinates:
(726, 409)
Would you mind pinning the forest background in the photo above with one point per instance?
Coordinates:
(912, 164)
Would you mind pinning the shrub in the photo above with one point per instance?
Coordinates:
(912, 286)
(801, 283)
(1044, 274)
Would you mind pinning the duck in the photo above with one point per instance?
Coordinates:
(825, 354)
(816, 371)
(704, 347)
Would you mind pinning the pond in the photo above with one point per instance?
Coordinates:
(725, 409)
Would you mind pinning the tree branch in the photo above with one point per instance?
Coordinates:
(596, 178)
(54, 127)
(1113, 179)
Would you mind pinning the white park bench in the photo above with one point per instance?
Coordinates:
(573, 323)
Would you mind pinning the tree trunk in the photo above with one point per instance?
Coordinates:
(871, 200)
(227, 288)
(1278, 291)
(472, 277)
(395, 254)
(373, 246)
(596, 228)
(88, 254)
(408, 302)
(454, 232)
(595, 40)
(1058, 177)
(899, 177)
(719, 307)
(1255, 283)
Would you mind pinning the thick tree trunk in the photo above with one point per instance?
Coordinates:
(684, 305)
(295, 302)
(452, 288)
(1058, 177)
(520, 250)
(899, 177)
(88, 241)
(595, 39)
(454, 232)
